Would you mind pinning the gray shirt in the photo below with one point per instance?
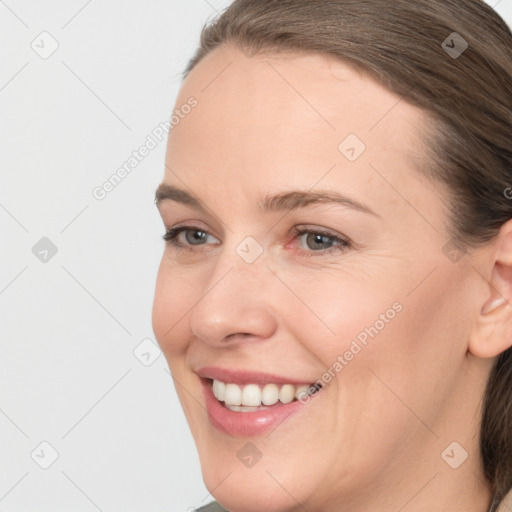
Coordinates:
(212, 507)
(505, 506)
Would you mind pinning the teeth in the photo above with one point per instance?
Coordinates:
(252, 397)
(233, 395)
(243, 408)
(270, 394)
(301, 392)
(287, 393)
(219, 390)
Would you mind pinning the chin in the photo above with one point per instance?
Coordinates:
(250, 491)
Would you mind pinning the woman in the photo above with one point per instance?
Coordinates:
(334, 295)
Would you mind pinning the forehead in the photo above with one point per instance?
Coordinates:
(328, 91)
(303, 118)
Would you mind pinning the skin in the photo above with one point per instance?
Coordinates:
(372, 439)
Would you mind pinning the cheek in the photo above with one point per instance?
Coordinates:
(337, 314)
(385, 317)
(404, 376)
(174, 296)
(387, 352)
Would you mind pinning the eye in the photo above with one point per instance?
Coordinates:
(198, 236)
(317, 242)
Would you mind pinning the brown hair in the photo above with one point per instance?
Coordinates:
(405, 45)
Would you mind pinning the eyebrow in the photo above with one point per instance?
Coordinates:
(284, 201)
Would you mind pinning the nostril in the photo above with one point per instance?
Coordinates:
(230, 337)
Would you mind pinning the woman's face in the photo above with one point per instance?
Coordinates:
(367, 300)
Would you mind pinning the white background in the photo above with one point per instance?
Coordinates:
(69, 326)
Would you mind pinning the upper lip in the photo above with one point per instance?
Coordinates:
(246, 376)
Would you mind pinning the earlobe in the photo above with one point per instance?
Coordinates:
(492, 304)
(492, 332)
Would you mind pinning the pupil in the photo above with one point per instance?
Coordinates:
(319, 239)
(195, 238)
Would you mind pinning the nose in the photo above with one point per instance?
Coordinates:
(236, 305)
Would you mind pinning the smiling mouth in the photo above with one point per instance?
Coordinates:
(255, 397)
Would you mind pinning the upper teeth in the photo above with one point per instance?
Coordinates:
(254, 395)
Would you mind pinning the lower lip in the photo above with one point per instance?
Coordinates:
(247, 423)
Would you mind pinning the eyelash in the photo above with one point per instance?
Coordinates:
(170, 237)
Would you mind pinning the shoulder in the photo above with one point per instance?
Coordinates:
(212, 507)
(505, 505)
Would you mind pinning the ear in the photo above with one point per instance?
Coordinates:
(492, 333)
